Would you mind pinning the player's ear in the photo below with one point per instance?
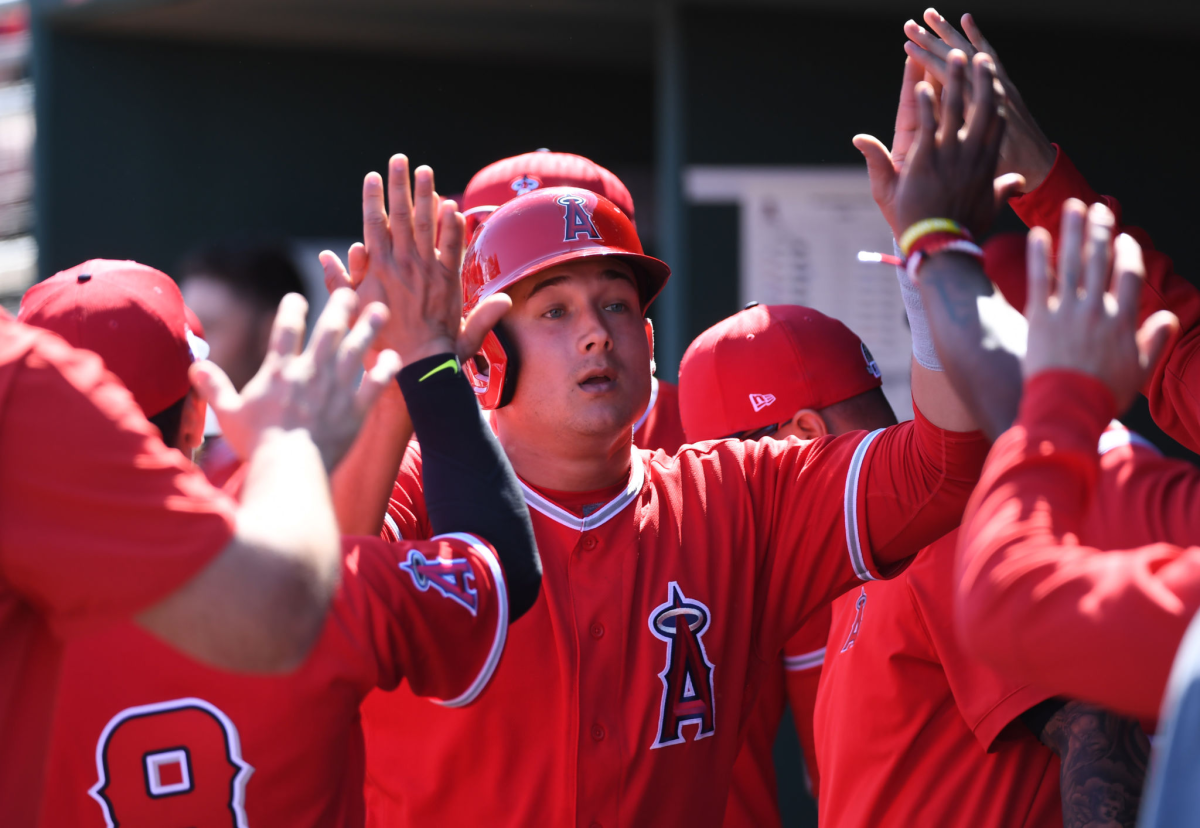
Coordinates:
(650, 341)
(808, 424)
(191, 423)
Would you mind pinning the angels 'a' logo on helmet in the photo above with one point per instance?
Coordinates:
(687, 678)
(452, 577)
(525, 184)
(872, 365)
(577, 220)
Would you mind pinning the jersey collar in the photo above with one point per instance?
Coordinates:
(650, 405)
(637, 477)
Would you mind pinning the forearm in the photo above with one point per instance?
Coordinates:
(1103, 760)
(362, 482)
(261, 604)
(976, 344)
(469, 484)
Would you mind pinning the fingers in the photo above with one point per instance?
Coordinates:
(356, 343)
(359, 261)
(1007, 186)
(376, 380)
(335, 272)
(1129, 272)
(400, 204)
(331, 327)
(949, 35)
(1096, 255)
(1070, 246)
(880, 168)
(216, 387)
(906, 113)
(287, 333)
(1153, 338)
(451, 230)
(375, 218)
(982, 140)
(425, 212)
(924, 39)
(952, 100)
(479, 321)
(975, 35)
(928, 61)
(1038, 271)
(927, 120)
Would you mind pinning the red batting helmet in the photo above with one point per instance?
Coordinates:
(529, 234)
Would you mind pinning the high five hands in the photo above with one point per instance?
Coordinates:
(949, 170)
(410, 259)
(1087, 322)
(1025, 149)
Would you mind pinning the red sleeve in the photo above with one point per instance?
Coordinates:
(857, 507)
(803, 657)
(100, 519)
(432, 612)
(989, 701)
(406, 516)
(1175, 385)
(1039, 604)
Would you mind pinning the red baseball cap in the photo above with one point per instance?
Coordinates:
(504, 180)
(762, 365)
(131, 315)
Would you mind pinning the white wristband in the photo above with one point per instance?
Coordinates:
(918, 323)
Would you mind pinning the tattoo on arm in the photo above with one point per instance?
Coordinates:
(1104, 758)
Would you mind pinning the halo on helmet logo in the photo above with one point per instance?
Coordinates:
(872, 365)
(525, 184)
(577, 220)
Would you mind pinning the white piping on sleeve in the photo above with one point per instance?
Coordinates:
(804, 661)
(493, 659)
(850, 507)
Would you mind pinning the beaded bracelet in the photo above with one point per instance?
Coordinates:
(955, 245)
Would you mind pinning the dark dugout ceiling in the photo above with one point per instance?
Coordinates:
(618, 30)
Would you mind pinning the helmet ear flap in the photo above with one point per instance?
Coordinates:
(509, 387)
(494, 385)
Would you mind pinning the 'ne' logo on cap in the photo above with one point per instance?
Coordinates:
(525, 184)
(577, 220)
(761, 401)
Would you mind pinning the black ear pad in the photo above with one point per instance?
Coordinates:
(514, 364)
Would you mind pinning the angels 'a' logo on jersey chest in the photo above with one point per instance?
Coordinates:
(687, 678)
(452, 577)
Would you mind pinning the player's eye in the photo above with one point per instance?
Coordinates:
(616, 307)
(554, 313)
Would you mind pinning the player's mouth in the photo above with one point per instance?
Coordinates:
(598, 381)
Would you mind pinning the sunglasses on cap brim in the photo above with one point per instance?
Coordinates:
(757, 433)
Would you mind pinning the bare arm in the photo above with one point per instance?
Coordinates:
(1103, 757)
(363, 480)
(260, 605)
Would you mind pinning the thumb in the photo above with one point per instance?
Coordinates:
(1153, 337)
(216, 388)
(879, 163)
(359, 260)
(481, 320)
(1007, 186)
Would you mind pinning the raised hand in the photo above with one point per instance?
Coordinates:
(884, 166)
(1025, 149)
(411, 257)
(949, 170)
(1083, 326)
(313, 389)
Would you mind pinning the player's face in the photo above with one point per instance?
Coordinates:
(236, 332)
(585, 360)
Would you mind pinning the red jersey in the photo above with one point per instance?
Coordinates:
(753, 792)
(146, 736)
(1080, 581)
(625, 691)
(1171, 390)
(660, 427)
(98, 521)
(913, 731)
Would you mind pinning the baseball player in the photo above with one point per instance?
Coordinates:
(246, 588)
(927, 733)
(146, 736)
(670, 584)
(360, 501)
